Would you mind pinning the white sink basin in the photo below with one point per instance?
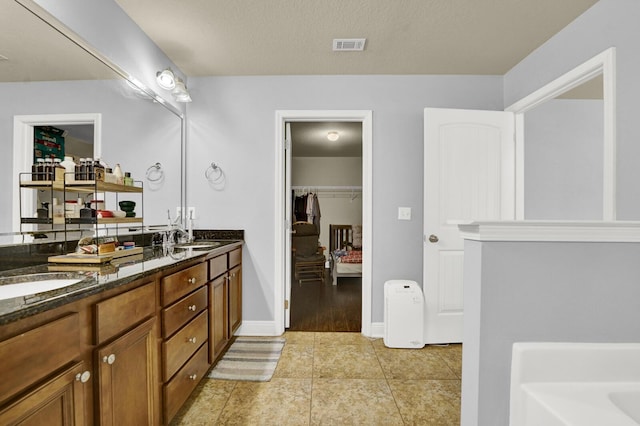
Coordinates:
(40, 284)
(198, 245)
(575, 384)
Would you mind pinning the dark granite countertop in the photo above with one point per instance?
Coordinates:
(95, 279)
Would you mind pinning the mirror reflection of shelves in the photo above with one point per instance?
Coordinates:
(71, 226)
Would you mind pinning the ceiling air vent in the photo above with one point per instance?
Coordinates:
(348, 44)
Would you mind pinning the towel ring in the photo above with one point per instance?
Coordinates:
(214, 173)
(155, 173)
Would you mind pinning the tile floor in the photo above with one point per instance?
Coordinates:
(337, 379)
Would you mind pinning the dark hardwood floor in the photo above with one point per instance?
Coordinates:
(321, 306)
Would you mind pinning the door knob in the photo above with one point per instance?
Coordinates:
(433, 238)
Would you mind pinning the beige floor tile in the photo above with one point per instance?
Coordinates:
(205, 404)
(346, 362)
(428, 402)
(326, 339)
(452, 355)
(299, 337)
(278, 402)
(296, 361)
(425, 363)
(353, 402)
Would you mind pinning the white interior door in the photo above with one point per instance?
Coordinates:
(469, 176)
(288, 208)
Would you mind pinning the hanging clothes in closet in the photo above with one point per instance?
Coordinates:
(306, 207)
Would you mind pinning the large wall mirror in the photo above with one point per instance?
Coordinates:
(47, 79)
(564, 142)
(565, 145)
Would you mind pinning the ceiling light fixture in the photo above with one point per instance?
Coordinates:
(333, 136)
(180, 92)
(166, 79)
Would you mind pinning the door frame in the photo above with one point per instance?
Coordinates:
(282, 278)
(23, 147)
(604, 63)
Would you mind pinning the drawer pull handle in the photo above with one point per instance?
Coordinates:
(109, 359)
(83, 377)
(193, 376)
(192, 339)
(192, 308)
(191, 280)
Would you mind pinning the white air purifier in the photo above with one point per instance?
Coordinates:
(403, 314)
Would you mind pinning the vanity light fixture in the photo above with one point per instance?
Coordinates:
(166, 79)
(333, 136)
(180, 92)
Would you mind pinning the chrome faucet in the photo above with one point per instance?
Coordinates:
(175, 232)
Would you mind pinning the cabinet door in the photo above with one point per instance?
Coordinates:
(218, 316)
(58, 401)
(235, 298)
(127, 378)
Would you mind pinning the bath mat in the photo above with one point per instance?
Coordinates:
(250, 359)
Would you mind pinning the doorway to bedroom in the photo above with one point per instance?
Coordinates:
(326, 201)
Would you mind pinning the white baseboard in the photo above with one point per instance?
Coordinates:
(268, 328)
(258, 328)
(377, 329)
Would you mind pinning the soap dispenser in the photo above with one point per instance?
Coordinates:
(119, 175)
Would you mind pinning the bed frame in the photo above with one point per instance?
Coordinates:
(339, 237)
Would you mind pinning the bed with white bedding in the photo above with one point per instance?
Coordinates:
(345, 247)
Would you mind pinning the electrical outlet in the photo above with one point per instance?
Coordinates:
(404, 213)
(191, 212)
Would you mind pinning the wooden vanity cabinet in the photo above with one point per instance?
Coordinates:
(57, 401)
(42, 376)
(225, 300)
(130, 355)
(185, 335)
(126, 359)
(235, 289)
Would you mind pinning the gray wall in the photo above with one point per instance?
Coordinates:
(563, 160)
(232, 122)
(539, 292)
(608, 23)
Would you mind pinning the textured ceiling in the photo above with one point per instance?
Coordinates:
(288, 37)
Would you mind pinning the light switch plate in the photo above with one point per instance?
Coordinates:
(404, 213)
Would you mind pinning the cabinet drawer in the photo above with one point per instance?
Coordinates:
(178, 389)
(176, 285)
(31, 356)
(235, 258)
(116, 315)
(182, 311)
(217, 266)
(183, 344)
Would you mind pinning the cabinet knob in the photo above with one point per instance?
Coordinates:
(192, 308)
(191, 339)
(433, 238)
(109, 359)
(191, 280)
(193, 376)
(83, 377)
